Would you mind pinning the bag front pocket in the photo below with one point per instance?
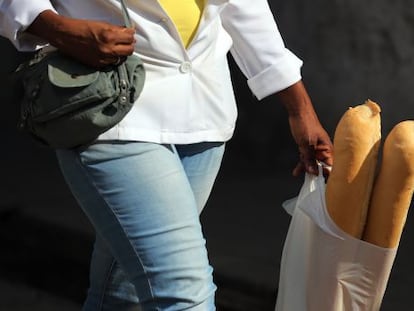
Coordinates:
(67, 86)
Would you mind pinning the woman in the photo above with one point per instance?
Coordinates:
(144, 182)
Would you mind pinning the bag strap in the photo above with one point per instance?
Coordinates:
(127, 18)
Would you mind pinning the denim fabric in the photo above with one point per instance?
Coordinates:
(144, 200)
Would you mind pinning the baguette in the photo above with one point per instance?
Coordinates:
(393, 189)
(356, 142)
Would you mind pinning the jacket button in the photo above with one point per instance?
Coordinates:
(185, 67)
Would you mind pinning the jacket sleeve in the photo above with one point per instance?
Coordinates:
(16, 16)
(258, 47)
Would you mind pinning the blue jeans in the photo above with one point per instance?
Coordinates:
(144, 200)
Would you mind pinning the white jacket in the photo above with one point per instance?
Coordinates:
(188, 95)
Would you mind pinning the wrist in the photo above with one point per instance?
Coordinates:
(296, 100)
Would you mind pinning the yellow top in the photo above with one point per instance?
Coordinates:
(186, 16)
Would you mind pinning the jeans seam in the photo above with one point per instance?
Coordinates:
(84, 168)
(108, 275)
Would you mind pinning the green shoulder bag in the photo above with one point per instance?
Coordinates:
(66, 104)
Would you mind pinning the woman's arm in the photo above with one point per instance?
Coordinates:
(94, 43)
(313, 142)
(30, 25)
(271, 69)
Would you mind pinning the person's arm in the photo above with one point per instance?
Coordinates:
(30, 25)
(313, 142)
(272, 70)
(92, 42)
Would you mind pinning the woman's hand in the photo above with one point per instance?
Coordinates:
(94, 43)
(313, 142)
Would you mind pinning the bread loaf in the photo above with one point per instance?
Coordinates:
(356, 142)
(393, 188)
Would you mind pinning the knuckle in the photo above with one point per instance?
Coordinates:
(108, 35)
(130, 51)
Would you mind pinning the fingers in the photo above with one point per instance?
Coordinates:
(123, 49)
(307, 162)
(299, 169)
(121, 41)
(117, 45)
(310, 156)
(126, 36)
(324, 154)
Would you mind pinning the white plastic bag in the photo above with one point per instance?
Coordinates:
(323, 268)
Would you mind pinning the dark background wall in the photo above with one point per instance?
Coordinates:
(352, 50)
